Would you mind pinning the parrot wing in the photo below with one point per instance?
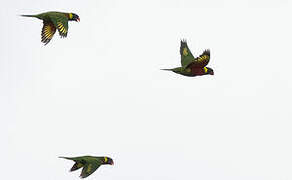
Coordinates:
(89, 168)
(48, 32)
(61, 23)
(186, 55)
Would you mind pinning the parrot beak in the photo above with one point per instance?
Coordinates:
(112, 163)
(78, 19)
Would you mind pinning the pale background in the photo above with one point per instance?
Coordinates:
(101, 91)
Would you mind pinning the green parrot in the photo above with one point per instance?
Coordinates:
(191, 66)
(53, 21)
(89, 164)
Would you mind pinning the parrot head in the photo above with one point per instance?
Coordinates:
(210, 71)
(108, 160)
(74, 17)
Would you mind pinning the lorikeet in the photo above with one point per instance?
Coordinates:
(191, 66)
(53, 21)
(89, 164)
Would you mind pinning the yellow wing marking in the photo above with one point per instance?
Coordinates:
(203, 58)
(185, 52)
(48, 32)
(105, 159)
(79, 165)
(205, 69)
(188, 70)
(62, 28)
(89, 168)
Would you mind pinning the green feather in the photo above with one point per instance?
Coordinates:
(89, 163)
(186, 55)
(58, 19)
(191, 66)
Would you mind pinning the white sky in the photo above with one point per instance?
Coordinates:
(100, 91)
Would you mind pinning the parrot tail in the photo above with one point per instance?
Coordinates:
(65, 157)
(29, 15)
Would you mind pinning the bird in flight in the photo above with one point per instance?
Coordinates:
(88, 163)
(52, 21)
(191, 66)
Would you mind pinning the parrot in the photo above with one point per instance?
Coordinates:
(191, 66)
(89, 163)
(54, 20)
